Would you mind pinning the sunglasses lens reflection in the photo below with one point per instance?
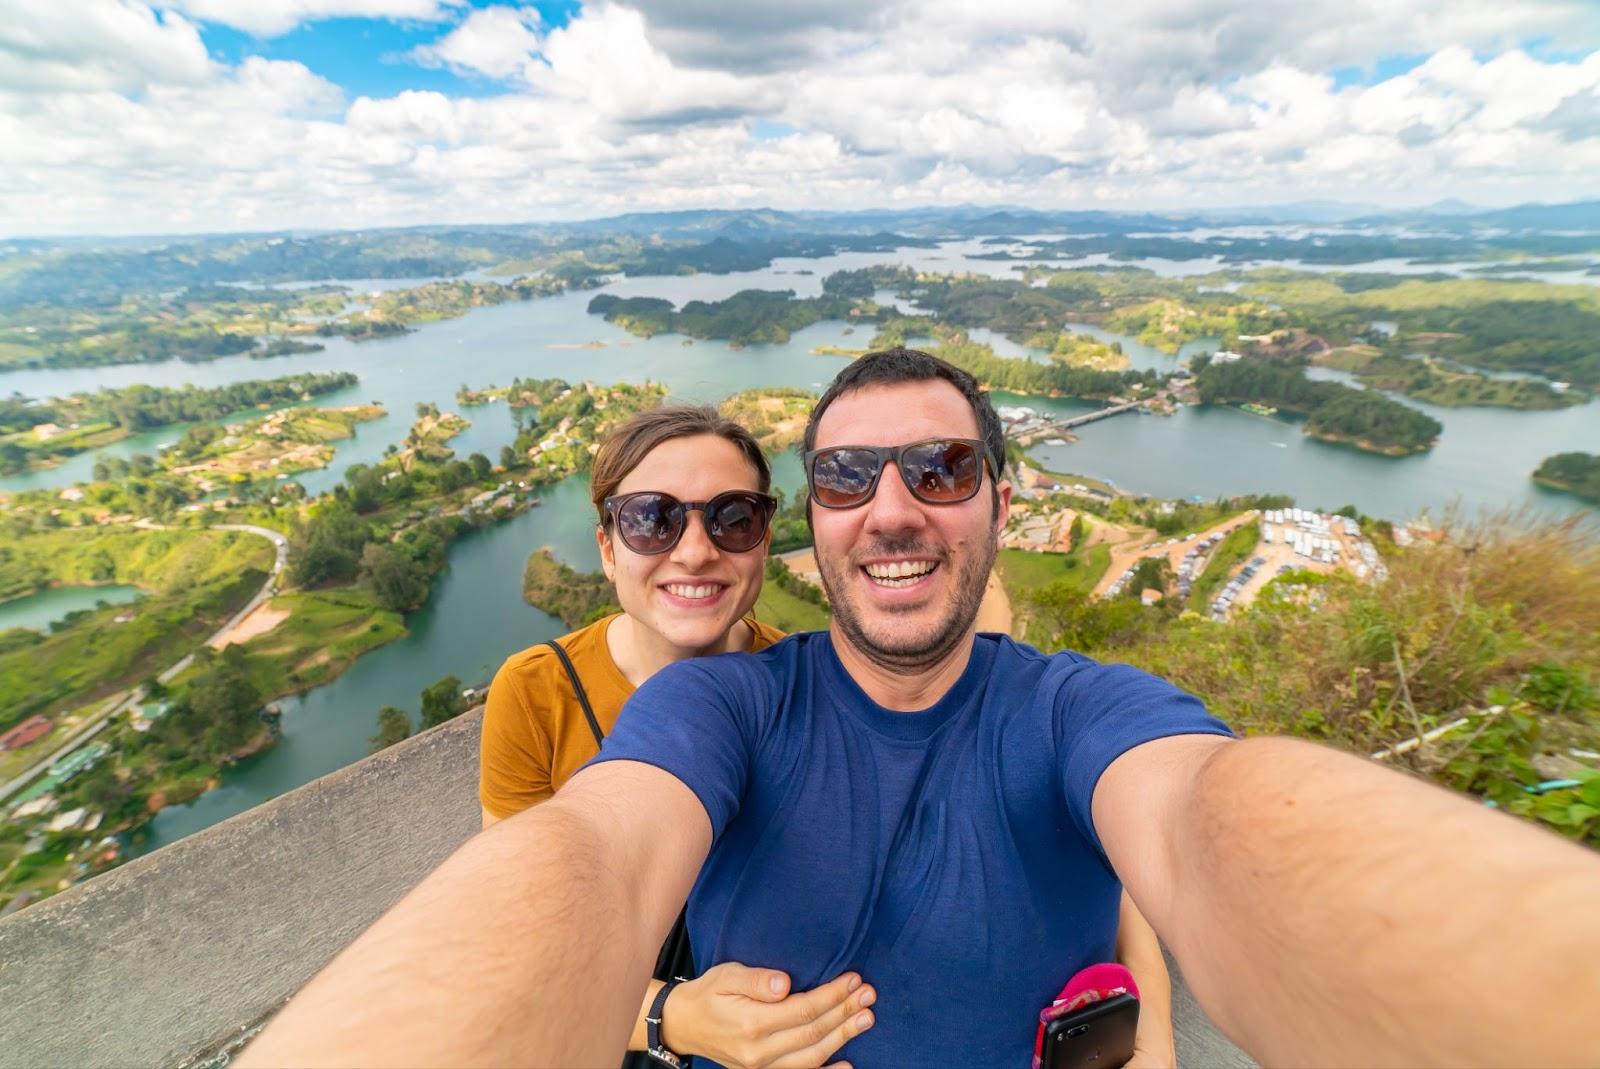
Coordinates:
(650, 523)
(736, 521)
(942, 472)
(939, 472)
(843, 477)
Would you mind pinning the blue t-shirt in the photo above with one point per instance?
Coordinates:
(946, 855)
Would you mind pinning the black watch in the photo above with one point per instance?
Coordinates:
(652, 1027)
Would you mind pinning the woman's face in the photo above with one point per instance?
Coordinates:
(694, 593)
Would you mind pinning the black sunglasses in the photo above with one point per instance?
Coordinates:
(651, 522)
(939, 471)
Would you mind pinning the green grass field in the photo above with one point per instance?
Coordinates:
(1022, 570)
(325, 632)
(783, 610)
(162, 561)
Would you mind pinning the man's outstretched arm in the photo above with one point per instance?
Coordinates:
(1327, 910)
(530, 945)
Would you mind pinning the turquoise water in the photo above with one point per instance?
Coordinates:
(40, 610)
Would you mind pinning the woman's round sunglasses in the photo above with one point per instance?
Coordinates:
(939, 471)
(651, 522)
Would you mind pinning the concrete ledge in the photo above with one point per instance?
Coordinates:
(173, 954)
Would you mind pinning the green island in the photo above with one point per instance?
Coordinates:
(1333, 411)
(1576, 473)
(1431, 379)
(776, 415)
(210, 322)
(748, 317)
(39, 434)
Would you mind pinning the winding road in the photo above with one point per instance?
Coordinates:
(126, 700)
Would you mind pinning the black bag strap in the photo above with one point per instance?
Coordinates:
(577, 688)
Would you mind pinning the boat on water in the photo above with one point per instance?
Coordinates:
(1260, 410)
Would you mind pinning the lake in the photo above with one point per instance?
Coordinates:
(44, 608)
(476, 616)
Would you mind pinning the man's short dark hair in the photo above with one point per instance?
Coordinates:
(888, 367)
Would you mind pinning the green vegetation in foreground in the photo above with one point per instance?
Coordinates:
(1334, 412)
(1505, 613)
(196, 579)
(88, 420)
(1576, 473)
(748, 317)
(1031, 579)
(1231, 552)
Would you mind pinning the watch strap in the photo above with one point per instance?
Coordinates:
(652, 1028)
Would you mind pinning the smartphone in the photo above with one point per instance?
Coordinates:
(1099, 1036)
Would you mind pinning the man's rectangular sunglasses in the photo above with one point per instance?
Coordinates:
(651, 522)
(938, 471)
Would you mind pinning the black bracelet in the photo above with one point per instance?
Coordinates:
(652, 1027)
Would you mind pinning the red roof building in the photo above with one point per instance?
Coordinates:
(30, 730)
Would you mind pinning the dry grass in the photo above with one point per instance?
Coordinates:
(1369, 665)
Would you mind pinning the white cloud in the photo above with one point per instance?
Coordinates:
(496, 41)
(269, 18)
(114, 120)
(96, 44)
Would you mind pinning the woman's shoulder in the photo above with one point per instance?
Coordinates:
(764, 635)
(539, 663)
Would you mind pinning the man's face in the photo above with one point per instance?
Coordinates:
(905, 578)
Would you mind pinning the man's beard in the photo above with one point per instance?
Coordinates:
(912, 654)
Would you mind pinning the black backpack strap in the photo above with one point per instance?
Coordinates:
(577, 688)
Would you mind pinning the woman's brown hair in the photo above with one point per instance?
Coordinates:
(630, 442)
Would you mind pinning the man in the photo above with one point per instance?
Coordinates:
(949, 815)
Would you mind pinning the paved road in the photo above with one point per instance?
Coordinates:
(120, 703)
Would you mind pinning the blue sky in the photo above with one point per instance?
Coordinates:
(367, 56)
(181, 115)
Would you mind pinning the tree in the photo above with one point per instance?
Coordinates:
(393, 726)
(394, 579)
(13, 458)
(480, 466)
(442, 701)
(508, 457)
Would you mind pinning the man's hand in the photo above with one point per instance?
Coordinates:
(745, 1018)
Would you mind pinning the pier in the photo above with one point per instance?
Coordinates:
(1036, 430)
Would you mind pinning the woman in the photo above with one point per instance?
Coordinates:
(681, 498)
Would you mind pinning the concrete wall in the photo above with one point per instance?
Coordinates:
(174, 954)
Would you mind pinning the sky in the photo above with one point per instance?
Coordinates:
(182, 116)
